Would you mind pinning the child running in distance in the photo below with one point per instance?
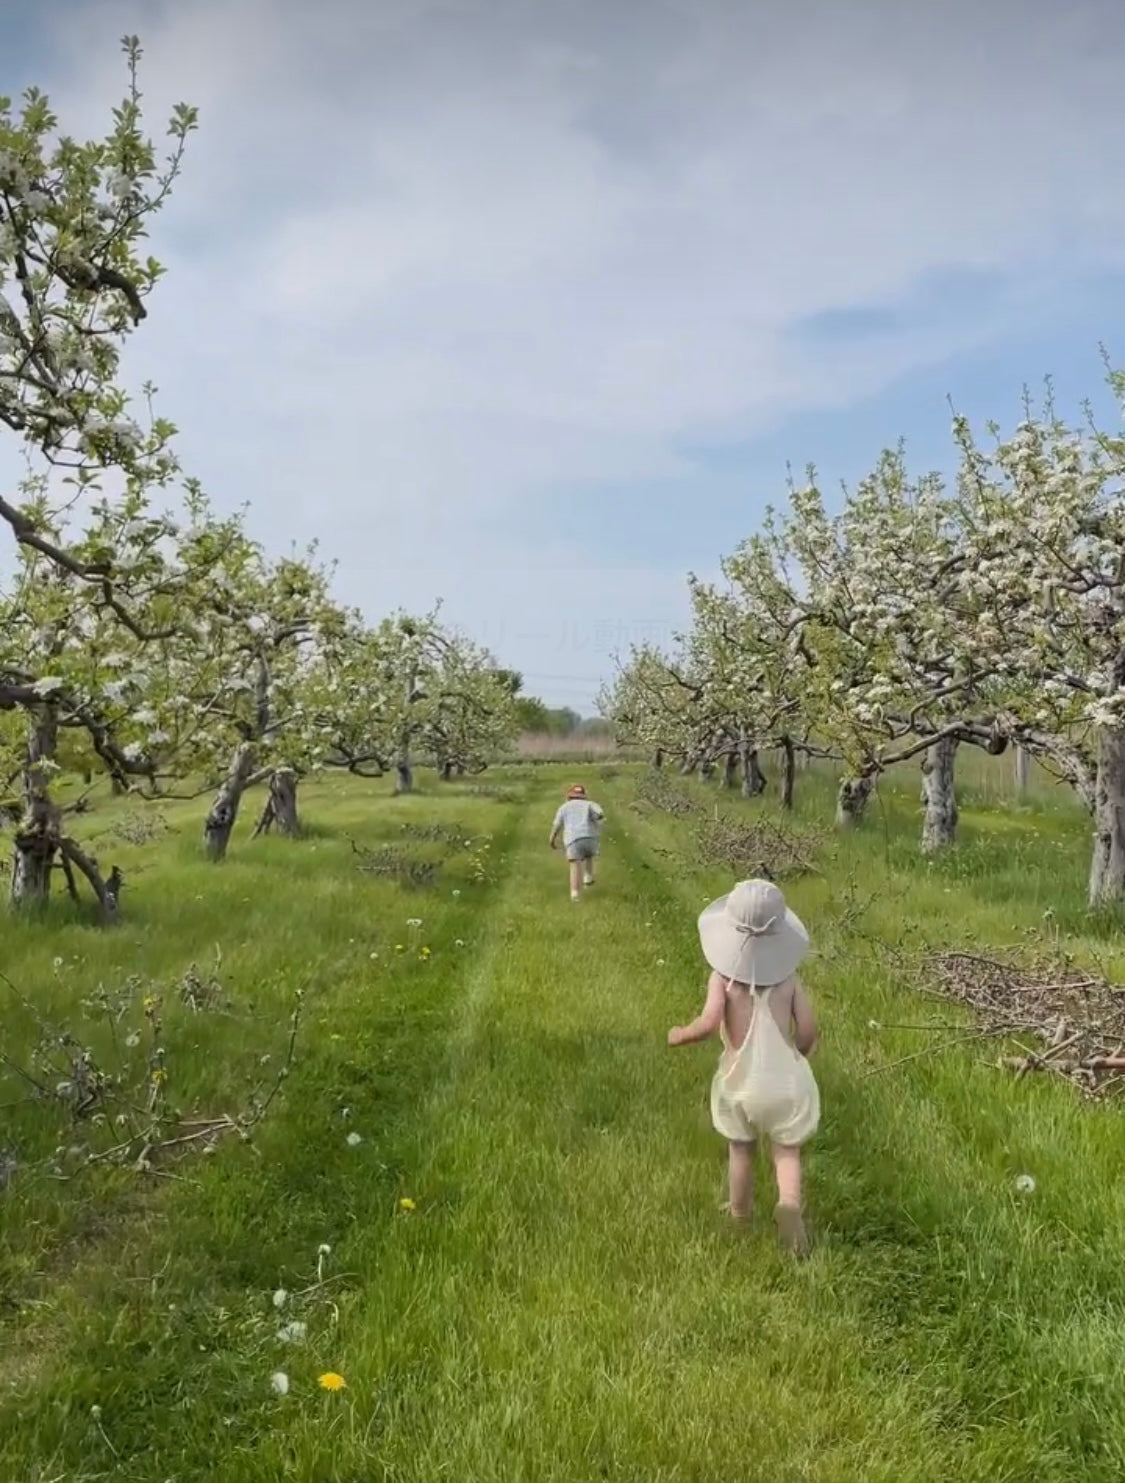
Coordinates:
(577, 821)
(764, 1086)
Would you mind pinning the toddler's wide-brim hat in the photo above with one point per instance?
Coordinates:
(576, 790)
(751, 936)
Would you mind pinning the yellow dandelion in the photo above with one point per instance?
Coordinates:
(400, 947)
(406, 1203)
(425, 952)
(332, 1381)
(159, 1076)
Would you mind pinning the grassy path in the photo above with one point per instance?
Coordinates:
(564, 1301)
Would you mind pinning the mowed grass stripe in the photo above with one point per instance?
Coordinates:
(566, 1302)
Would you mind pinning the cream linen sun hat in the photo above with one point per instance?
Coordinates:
(751, 936)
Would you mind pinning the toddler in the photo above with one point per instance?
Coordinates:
(764, 1086)
(578, 820)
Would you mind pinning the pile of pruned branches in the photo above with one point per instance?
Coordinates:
(107, 1087)
(755, 847)
(389, 862)
(656, 790)
(1063, 1020)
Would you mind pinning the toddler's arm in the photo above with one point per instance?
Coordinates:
(709, 1018)
(555, 827)
(804, 1021)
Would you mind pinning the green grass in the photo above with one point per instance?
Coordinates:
(565, 1302)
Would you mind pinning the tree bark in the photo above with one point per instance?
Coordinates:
(1023, 770)
(658, 758)
(789, 771)
(36, 839)
(852, 799)
(281, 805)
(939, 795)
(753, 778)
(404, 766)
(220, 821)
(730, 769)
(1107, 868)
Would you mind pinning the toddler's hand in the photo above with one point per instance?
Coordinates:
(676, 1035)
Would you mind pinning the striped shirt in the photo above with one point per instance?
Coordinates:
(578, 818)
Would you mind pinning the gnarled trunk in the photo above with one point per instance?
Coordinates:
(36, 840)
(789, 771)
(753, 778)
(852, 798)
(730, 769)
(658, 758)
(281, 805)
(220, 821)
(1023, 770)
(1107, 869)
(939, 823)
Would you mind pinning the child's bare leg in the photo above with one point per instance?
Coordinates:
(575, 878)
(790, 1222)
(588, 874)
(741, 1180)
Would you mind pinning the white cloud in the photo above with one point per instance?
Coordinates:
(435, 263)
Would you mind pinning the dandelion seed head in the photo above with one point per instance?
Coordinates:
(1025, 1184)
(279, 1382)
(280, 1298)
(354, 1139)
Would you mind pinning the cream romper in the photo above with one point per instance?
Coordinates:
(765, 1087)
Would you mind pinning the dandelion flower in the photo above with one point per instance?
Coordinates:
(660, 962)
(324, 1249)
(332, 1381)
(406, 1203)
(279, 1380)
(280, 1298)
(425, 952)
(1025, 1184)
(456, 894)
(354, 1140)
(460, 942)
(400, 947)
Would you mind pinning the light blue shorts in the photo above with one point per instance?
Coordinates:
(583, 849)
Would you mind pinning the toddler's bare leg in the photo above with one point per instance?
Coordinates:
(741, 1180)
(575, 879)
(790, 1222)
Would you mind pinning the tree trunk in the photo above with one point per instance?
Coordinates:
(753, 778)
(37, 832)
(220, 821)
(1107, 869)
(687, 766)
(658, 758)
(730, 769)
(851, 800)
(706, 770)
(939, 824)
(1023, 770)
(789, 771)
(281, 805)
(447, 771)
(404, 766)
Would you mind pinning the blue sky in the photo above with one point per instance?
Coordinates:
(527, 306)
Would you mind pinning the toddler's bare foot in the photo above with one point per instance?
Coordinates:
(791, 1230)
(740, 1217)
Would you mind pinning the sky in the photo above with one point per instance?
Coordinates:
(528, 304)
